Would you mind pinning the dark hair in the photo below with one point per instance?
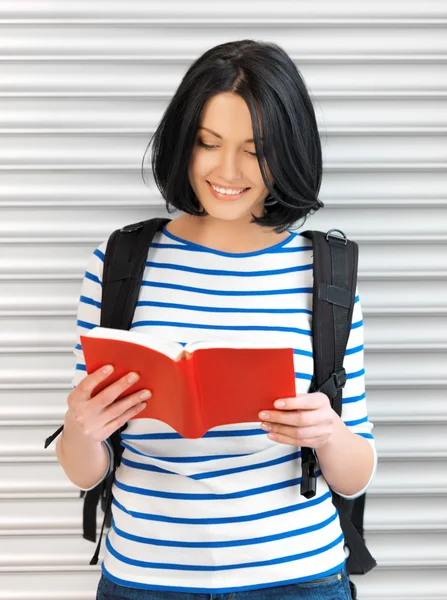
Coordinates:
(268, 80)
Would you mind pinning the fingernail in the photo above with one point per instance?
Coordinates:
(266, 426)
(280, 403)
(107, 369)
(264, 416)
(132, 377)
(145, 394)
(142, 406)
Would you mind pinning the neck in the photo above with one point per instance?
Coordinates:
(226, 236)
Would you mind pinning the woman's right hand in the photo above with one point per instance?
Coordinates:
(99, 416)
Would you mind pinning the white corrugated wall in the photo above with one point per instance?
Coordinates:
(82, 86)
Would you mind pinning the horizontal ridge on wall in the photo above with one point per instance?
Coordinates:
(85, 569)
(158, 202)
(432, 447)
(54, 551)
(329, 167)
(151, 38)
(333, 131)
(395, 477)
(371, 276)
(167, 96)
(384, 513)
(238, 22)
(378, 384)
(153, 78)
(54, 9)
(17, 420)
(70, 492)
(55, 530)
(183, 59)
(369, 347)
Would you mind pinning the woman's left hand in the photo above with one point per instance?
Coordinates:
(307, 420)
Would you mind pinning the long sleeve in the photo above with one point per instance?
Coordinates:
(354, 408)
(89, 317)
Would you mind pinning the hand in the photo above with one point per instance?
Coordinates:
(306, 420)
(100, 415)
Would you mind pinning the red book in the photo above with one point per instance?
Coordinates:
(196, 387)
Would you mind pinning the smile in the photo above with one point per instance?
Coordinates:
(226, 194)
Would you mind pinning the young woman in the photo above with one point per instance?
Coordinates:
(238, 152)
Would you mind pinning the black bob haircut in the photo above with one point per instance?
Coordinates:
(268, 80)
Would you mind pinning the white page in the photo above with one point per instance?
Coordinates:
(171, 349)
(229, 343)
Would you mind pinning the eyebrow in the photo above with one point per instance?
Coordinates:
(221, 138)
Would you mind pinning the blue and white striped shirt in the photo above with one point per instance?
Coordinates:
(224, 512)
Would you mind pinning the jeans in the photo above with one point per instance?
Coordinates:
(334, 587)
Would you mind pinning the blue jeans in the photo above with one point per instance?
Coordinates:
(334, 587)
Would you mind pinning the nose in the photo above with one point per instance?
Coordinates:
(229, 169)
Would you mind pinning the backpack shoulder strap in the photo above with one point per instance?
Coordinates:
(335, 261)
(335, 265)
(124, 264)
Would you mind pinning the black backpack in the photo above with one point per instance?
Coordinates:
(335, 261)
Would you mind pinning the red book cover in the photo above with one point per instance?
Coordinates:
(197, 387)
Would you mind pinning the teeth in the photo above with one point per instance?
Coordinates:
(224, 191)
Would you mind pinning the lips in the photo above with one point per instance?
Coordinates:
(220, 196)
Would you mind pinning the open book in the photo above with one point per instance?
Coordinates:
(194, 387)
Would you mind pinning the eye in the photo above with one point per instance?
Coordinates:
(209, 147)
(205, 145)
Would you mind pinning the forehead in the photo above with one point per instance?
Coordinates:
(227, 115)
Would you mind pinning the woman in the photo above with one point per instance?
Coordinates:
(238, 152)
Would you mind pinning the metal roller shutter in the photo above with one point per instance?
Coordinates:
(82, 86)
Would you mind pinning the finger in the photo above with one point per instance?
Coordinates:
(93, 424)
(284, 439)
(302, 402)
(85, 408)
(109, 394)
(86, 386)
(119, 407)
(302, 435)
(115, 424)
(297, 418)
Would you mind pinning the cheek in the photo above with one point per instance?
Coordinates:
(200, 165)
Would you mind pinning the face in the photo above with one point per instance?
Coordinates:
(224, 156)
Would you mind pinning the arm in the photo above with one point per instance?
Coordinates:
(85, 461)
(349, 459)
(344, 448)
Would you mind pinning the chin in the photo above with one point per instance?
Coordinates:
(229, 213)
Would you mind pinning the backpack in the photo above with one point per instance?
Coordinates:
(335, 262)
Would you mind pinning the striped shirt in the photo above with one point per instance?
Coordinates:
(223, 512)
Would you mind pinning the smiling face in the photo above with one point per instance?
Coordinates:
(224, 156)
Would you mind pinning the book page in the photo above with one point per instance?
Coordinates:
(228, 343)
(166, 347)
(234, 384)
